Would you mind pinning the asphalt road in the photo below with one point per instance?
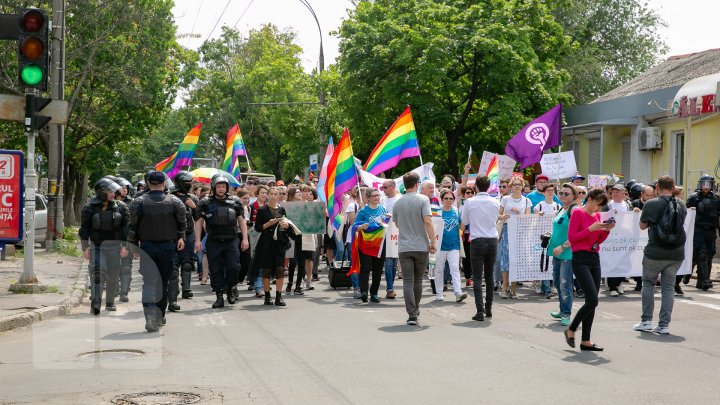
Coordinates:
(325, 348)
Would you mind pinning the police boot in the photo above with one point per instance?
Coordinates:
(186, 293)
(151, 319)
(703, 273)
(96, 299)
(125, 278)
(230, 295)
(173, 306)
(219, 302)
(160, 319)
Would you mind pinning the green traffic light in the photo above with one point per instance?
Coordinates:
(31, 74)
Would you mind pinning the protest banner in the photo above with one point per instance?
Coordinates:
(308, 216)
(597, 180)
(620, 255)
(558, 165)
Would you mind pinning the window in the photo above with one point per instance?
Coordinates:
(594, 161)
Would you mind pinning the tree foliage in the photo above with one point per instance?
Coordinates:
(614, 41)
(473, 72)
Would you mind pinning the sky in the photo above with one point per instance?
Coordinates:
(691, 23)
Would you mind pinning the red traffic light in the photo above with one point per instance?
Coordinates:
(32, 21)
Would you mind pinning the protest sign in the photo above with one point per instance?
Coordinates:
(308, 216)
(597, 180)
(558, 165)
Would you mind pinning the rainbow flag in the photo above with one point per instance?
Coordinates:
(493, 174)
(341, 177)
(234, 147)
(184, 155)
(323, 172)
(399, 142)
(369, 242)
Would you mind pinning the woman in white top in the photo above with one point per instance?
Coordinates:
(513, 204)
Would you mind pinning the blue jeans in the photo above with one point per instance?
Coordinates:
(390, 271)
(563, 280)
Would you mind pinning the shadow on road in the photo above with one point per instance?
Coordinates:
(660, 338)
(589, 358)
(403, 328)
(132, 336)
(473, 324)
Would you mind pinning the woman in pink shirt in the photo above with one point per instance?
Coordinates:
(585, 234)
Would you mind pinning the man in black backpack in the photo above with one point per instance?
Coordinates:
(664, 217)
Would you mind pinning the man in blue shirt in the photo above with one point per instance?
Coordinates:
(541, 181)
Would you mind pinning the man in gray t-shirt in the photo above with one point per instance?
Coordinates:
(416, 237)
(659, 259)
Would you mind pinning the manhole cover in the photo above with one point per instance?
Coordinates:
(112, 354)
(157, 398)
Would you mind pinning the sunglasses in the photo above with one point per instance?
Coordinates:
(582, 192)
(448, 199)
(565, 194)
(502, 186)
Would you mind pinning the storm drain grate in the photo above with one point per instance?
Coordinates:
(112, 354)
(157, 398)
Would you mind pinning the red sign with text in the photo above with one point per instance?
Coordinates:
(11, 195)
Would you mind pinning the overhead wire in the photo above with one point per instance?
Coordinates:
(192, 31)
(243, 13)
(218, 20)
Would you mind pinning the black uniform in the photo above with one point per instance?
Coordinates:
(126, 264)
(707, 208)
(222, 244)
(103, 229)
(185, 259)
(157, 221)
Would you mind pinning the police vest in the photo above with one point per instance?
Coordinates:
(106, 224)
(158, 221)
(189, 215)
(221, 219)
(707, 211)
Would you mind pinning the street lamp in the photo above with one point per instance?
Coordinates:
(321, 68)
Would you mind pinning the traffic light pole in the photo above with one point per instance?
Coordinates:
(55, 218)
(28, 274)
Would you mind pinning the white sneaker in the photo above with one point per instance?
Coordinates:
(661, 330)
(441, 298)
(620, 289)
(614, 293)
(460, 297)
(644, 326)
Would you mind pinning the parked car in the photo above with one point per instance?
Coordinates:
(40, 219)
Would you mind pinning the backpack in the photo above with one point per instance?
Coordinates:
(669, 228)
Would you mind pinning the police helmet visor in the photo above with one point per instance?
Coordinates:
(706, 184)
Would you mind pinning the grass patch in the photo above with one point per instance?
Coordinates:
(19, 253)
(70, 233)
(53, 289)
(67, 247)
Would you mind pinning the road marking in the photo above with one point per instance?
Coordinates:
(609, 315)
(702, 304)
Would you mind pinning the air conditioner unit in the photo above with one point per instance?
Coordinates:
(649, 138)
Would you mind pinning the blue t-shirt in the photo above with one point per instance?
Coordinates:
(367, 214)
(451, 233)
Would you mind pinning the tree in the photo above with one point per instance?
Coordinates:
(473, 72)
(122, 62)
(233, 75)
(613, 42)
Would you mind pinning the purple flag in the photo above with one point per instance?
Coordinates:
(542, 133)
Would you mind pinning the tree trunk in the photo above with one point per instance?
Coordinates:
(75, 192)
(453, 138)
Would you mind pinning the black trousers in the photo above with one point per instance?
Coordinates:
(156, 265)
(224, 262)
(374, 265)
(586, 269)
(482, 256)
(466, 261)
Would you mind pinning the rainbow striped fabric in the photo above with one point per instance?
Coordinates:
(399, 142)
(341, 177)
(184, 155)
(369, 241)
(234, 147)
(493, 174)
(323, 172)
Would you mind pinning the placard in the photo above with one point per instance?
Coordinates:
(308, 216)
(597, 180)
(558, 165)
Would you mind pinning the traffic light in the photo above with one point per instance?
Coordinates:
(33, 105)
(32, 48)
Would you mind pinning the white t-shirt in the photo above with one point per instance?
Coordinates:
(508, 203)
(551, 208)
(621, 206)
(389, 202)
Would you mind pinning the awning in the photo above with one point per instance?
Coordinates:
(699, 93)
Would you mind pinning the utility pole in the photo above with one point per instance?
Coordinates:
(56, 155)
(321, 68)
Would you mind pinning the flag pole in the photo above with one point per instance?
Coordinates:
(248, 161)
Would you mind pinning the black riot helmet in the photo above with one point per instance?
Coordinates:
(123, 182)
(630, 183)
(636, 191)
(104, 185)
(140, 185)
(183, 181)
(217, 179)
(706, 180)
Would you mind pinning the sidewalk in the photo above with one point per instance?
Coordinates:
(63, 275)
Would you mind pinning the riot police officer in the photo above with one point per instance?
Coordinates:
(103, 234)
(127, 191)
(707, 206)
(157, 224)
(185, 259)
(221, 214)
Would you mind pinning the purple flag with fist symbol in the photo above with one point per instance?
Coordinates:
(542, 133)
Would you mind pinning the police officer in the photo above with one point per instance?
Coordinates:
(221, 214)
(126, 195)
(157, 224)
(140, 186)
(103, 234)
(707, 206)
(185, 259)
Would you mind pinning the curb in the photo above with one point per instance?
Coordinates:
(43, 314)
